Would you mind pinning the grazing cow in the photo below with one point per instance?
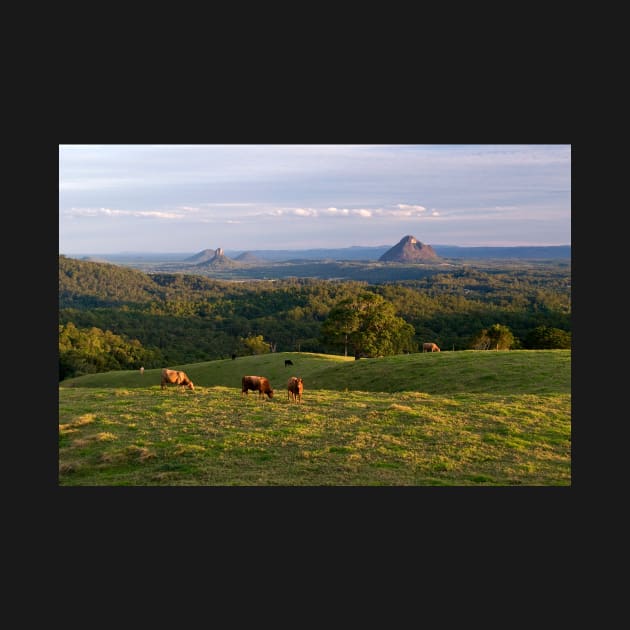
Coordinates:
(287, 362)
(175, 377)
(258, 384)
(295, 388)
(233, 357)
(430, 347)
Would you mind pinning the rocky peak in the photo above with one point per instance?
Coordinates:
(409, 250)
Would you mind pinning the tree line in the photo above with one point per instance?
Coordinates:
(114, 317)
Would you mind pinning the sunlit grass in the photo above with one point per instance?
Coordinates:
(113, 435)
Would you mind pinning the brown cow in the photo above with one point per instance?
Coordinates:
(258, 384)
(175, 377)
(295, 388)
(430, 347)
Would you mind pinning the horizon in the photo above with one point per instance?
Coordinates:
(285, 249)
(147, 199)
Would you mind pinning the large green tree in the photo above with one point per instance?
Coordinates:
(367, 325)
(497, 337)
(255, 344)
(548, 337)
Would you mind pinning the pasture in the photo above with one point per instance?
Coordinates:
(468, 418)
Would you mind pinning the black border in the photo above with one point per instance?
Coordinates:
(382, 115)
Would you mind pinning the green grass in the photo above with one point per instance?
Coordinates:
(466, 418)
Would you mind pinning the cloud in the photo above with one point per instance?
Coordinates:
(404, 211)
(347, 212)
(305, 212)
(200, 213)
(405, 206)
(110, 212)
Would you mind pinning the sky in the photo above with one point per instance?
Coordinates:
(186, 198)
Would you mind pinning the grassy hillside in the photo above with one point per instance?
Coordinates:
(449, 418)
(516, 371)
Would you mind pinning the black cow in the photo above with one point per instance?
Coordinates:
(287, 362)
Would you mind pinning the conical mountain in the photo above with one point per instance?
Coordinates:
(410, 250)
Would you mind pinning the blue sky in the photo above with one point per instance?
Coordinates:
(186, 198)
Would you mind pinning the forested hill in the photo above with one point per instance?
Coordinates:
(115, 317)
(84, 284)
(101, 283)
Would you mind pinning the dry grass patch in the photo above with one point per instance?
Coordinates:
(70, 427)
(85, 419)
(129, 454)
(189, 449)
(69, 467)
(105, 436)
(404, 408)
(140, 452)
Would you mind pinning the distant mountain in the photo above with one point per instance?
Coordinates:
(249, 258)
(202, 256)
(533, 252)
(354, 252)
(410, 250)
(218, 261)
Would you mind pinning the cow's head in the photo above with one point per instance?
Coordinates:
(270, 393)
(189, 384)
